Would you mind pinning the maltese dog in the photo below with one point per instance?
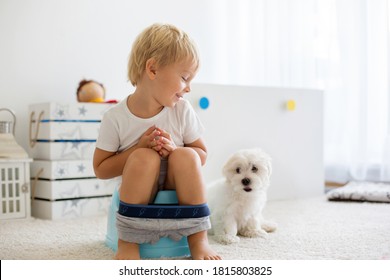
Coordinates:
(236, 201)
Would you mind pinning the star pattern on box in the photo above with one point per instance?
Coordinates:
(74, 149)
(75, 145)
(74, 134)
(61, 170)
(82, 111)
(72, 169)
(74, 207)
(81, 168)
(74, 192)
(61, 111)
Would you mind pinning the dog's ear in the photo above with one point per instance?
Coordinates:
(269, 167)
(267, 163)
(265, 159)
(227, 168)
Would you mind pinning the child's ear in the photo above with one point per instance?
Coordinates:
(151, 68)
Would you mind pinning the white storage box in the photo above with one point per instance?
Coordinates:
(68, 130)
(62, 169)
(70, 208)
(69, 111)
(63, 150)
(65, 131)
(80, 188)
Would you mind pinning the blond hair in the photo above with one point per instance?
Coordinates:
(163, 42)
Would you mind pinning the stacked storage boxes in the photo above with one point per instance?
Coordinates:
(63, 140)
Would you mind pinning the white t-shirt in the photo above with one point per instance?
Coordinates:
(120, 129)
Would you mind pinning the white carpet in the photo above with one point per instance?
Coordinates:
(308, 229)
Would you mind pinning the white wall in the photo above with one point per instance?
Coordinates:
(242, 117)
(48, 46)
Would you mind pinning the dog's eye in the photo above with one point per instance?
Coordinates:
(254, 169)
(238, 170)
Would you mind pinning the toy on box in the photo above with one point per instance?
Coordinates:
(92, 91)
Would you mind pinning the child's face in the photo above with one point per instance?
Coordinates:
(173, 81)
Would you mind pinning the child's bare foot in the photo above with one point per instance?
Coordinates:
(200, 248)
(127, 251)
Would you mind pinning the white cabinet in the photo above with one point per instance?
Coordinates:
(286, 123)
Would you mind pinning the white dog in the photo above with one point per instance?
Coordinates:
(236, 201)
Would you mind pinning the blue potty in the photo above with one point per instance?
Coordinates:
(165, 247)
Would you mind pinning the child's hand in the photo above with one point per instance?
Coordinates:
(147, 138)
(163, 143)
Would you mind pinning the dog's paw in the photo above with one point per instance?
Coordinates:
(252, 233)
(269, 226)
(227, 239)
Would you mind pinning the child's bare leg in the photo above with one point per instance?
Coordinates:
(139, 186)
(127, 251)
(200, 248)
(184, 173)
(140, 176)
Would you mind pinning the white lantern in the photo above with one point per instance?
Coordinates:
(14, 174)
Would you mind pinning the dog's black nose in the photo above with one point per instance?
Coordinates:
(246, 181)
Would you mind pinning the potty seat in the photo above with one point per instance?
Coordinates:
(165, 247)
